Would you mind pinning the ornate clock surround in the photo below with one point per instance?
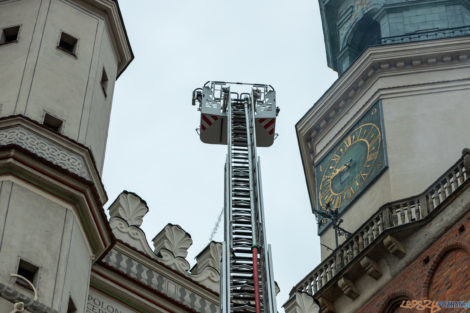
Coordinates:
(351, 165)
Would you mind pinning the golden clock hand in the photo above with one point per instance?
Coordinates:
(339, 170)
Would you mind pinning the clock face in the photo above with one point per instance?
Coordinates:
(356, 160)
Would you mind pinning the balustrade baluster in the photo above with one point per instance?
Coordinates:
(315, 283)
(345, 256)
(416, 210)
(394, 216)
(402, 215)
(380, 228)
(339, 263)
(453, 179)
(386, 216)
(361, 242)
(324, 275)
(409, 211)
(442, 191)
(370, 236)
(423, 204)
(309, 286)
(355, 247)
(460, 173)
(333, 267)
(435, 196)
(448, 186)
(375, 231)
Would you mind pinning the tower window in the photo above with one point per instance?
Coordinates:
(67, 43)
(71, 308)
(52, 122)
(9, 35)
(28, 271)
(104, 82)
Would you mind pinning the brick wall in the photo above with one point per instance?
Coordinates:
(440, 273)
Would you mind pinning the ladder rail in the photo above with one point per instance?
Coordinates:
(226, 258)
(270, 286)
(246, 285)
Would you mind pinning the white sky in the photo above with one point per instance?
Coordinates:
(153, 149)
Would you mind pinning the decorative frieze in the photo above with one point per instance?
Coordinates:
(158, 282)
(44, 148)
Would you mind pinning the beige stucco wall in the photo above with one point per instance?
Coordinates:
(45, 233)
(425, 119)
(38, 78)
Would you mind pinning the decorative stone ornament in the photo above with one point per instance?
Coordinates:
(348, 288)
(127, 213)
(371, 267)
(209, 257)
(207, 269)
(173, 238)
(304, 303)
(394, 247)
(326, 306)
(130, 207)
(171, 247)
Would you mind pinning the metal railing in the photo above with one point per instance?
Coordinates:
(391, 215)
(426, 35)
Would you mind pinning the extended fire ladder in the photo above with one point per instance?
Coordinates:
(247, 283)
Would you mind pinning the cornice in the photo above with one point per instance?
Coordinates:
(118, 29)
(53, 147)
(375, 63)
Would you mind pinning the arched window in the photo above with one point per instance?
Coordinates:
(366, 33)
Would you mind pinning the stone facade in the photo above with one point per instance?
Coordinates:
(439, 273)
(408, 228)
(59, 61)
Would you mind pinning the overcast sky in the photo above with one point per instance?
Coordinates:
(153, 149)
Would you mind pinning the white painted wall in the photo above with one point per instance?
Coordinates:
(38, 78)
(426, 127)
(43, 232)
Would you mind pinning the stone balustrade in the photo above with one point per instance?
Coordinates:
(395, 214)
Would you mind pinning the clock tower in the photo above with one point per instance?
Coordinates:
(382, 155)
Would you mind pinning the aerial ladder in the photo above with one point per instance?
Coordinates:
(242, 121)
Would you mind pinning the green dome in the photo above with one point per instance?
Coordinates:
(350, 26)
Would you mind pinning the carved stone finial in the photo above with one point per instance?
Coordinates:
(394, 247)
(129, 207)
(305, 304)
(209, 256)
(171, 246)
(302, 302)
(348, 288)
(174, 239)
(127, 212)
(207, 269)
(371, 267)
